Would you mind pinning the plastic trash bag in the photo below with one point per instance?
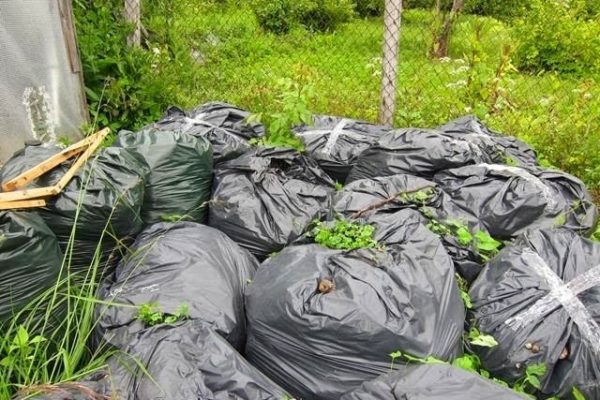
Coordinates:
(30, 261)
(511, 200)
(386, 196)
(431, 382)
(540, 299)
(180, 173)
(500, 148)
(418, 152)
(175, 265)
(335, 143)
(224, 125)
(322, 321)
(182, 362)
(267, 198)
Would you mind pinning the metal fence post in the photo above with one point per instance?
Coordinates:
(391, 42)
(133, 15)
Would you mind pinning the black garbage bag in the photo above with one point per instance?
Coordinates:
(30, 261)
(176, 362)
(177, 265)
(322, 321)
(335, 143)
(510, 200)
(540, 299)
(180, 173)
(223, 125)
(102, 201)
(431, 382)
(500, 148)
(386, 196)
(419, 152)
(267, 198)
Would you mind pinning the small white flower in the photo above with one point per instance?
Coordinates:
(156, 50)
(445, 59)
(468, 109)
(588, 96)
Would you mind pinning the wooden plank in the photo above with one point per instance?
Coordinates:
(33, 173)
(29, 194)
(12, 205)
(36, 193)
(99, 138)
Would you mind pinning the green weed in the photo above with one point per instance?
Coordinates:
(293, 101)
(151, 315)
(344, 235)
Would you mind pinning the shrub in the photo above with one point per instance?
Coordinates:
(369, 8)
(498, 9)
(556, 36)
(275, 16)
(121, 87)
(324, 15)
(279, 16)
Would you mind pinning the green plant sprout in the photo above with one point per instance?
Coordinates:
(344, 235)
(483, 244)
(477, 338)
(150, 315)
(293, 100)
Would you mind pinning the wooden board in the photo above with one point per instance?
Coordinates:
(12, 205)
(92, 143)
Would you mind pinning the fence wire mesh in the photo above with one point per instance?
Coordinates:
(455, 57)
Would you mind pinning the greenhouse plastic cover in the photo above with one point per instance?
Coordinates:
(41, 97)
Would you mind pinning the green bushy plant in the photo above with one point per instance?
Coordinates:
(275, 16)
(293, 102)
(279, 16)
(369, 8)
(555, 35)
(497, 9)
(121, 87)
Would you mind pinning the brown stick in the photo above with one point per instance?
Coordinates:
(381, 203)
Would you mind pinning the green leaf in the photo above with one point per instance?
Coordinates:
(484, 341)
(395, 355)
(536, 369)
(21, 339)
(534, 381)
(468, 362)
(464, 236)
(466, 299)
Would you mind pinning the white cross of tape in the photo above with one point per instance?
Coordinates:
(564, 295)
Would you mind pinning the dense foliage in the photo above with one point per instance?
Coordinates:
(199, 50)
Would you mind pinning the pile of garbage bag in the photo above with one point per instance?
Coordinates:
(223, 274)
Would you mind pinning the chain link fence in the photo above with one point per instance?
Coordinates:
(404, 63)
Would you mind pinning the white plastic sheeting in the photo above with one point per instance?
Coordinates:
(41, 95)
